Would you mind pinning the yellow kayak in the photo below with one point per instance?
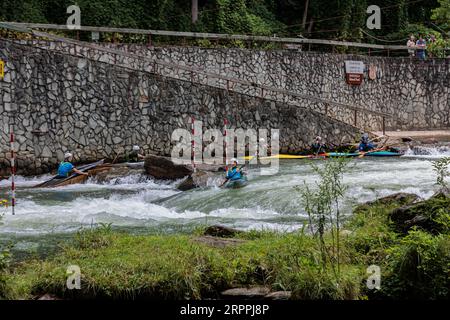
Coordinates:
(280, 156)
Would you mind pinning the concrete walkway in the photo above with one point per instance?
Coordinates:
(432, 136)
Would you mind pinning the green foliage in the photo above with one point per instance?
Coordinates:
(5, 258)
(325, 19)
(418, 268)
(93, 237)
(322, 205)
(441, 168)
(442, 13)
(179, 267)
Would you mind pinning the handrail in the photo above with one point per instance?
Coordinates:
(208, 74)
(215, 36)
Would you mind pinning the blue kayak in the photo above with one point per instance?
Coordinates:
(367, 154)
(235, 184)
(383, 154)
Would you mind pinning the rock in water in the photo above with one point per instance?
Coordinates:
(163, 168)
(198, 179)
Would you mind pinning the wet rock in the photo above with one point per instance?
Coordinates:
(221, 231)
(198, 179)
(116, 172)
(398, 198)
(245, 293)
(163, 168)
(407, 139)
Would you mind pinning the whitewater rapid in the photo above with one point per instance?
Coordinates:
(268, 202)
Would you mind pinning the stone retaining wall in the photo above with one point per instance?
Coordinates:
(415, 93)
(60, 103)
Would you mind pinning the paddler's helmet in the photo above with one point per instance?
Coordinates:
(233, 160)
(67, 156)
(136, 148)
(318, 138)
(365, 137)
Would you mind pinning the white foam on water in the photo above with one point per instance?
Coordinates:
(21, 181)
(431, 153)
(269, 202)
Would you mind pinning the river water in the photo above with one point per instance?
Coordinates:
(139, 204)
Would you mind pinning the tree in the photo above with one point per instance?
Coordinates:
(442, 13)
(194, 11)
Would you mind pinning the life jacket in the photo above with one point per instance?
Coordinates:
(64, 169)
(233, 174)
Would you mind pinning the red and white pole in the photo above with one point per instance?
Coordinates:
(13, 172)
(225, 122)
(193, 143)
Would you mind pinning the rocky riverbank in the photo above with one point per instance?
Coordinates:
(407, 237)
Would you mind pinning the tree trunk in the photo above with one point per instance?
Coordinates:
(195, 11)
(305, 14)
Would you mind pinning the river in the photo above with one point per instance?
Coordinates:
(140, 204)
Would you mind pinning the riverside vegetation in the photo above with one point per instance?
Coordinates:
(408, 238)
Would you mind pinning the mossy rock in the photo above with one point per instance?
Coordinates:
(398, 199)
(428, 215)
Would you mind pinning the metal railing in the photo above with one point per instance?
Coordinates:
(198, 35)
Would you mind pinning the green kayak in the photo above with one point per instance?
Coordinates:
(235, 184)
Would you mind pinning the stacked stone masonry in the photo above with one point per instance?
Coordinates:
(95, 109)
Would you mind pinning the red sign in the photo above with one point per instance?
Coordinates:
(354, 78)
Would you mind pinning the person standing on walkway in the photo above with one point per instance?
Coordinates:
(412, 45)
(421, 47)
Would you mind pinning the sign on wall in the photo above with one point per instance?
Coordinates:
(354, 72)
(2, 69)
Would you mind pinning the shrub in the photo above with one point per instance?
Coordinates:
(418, 268)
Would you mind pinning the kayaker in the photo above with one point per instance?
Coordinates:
(134, 155)
(263, 145)
(66, 167)
(365, 145)
(318, 146)
(233, 173)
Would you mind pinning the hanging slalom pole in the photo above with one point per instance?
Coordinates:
(225, 122)
(193, 143)
(13, 172)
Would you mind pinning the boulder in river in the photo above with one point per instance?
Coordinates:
(163, 168)
(197, 179)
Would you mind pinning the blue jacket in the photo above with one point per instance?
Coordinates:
(64, 169)
(233, 174)
(364, 147)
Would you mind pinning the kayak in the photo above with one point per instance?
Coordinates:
(383, 154)
(341, 154)
(235, 184)
(72, 179)
(280, 156)
(378, 153)
(367, 154)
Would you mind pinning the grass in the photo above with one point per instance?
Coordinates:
(177, 267)
(117, 265)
